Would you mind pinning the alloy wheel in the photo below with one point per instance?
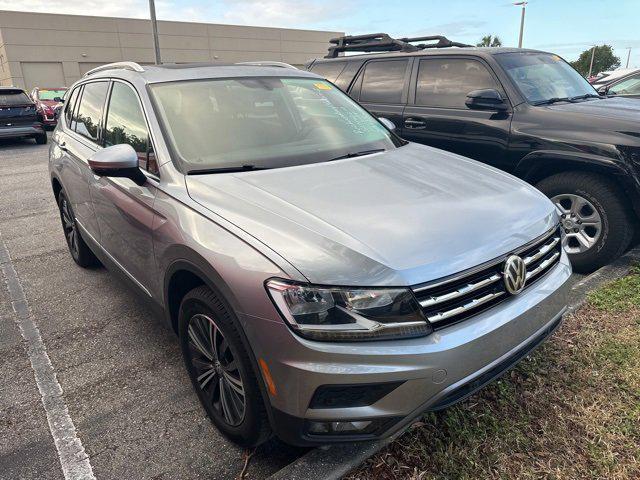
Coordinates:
(216, 369)
(580, 220)
(70, 227)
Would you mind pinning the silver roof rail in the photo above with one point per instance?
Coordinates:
(110, 66)
(268, 64)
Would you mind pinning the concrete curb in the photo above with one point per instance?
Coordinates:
(335, 461)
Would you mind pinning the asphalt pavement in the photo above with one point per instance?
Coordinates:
(120, 369)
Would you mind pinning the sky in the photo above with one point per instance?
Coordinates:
(565, 27)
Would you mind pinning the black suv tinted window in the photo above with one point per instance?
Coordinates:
(14, 97)
(90, 110)
(446, 82)
(69, 104)
(126, 124)
(383, 81)
(329, 70)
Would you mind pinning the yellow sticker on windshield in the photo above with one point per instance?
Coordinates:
(322, 86)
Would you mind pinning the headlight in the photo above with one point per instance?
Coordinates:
(348, 314)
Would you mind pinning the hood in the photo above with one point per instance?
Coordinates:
(614, 108)
(50, 103)
(401, 217)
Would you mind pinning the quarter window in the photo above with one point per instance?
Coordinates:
(90, 110)
(383, 81)
(126, 124)
(446, 82)
(69, 104)
(329, 70)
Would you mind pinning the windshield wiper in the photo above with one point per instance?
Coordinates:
(358, 154)
(239, 168)
(555, 100)
(585, 96)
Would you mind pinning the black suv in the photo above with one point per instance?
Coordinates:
(524, 111)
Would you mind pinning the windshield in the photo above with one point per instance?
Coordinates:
(264, 122)
(14, 97)
(50, 94)
(543, 76)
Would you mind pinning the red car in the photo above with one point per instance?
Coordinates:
(47, 101)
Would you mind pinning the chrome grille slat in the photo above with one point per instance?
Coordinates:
(543, 266)
(468, 288)
(542, 252)
(476, 302)
(463, 295)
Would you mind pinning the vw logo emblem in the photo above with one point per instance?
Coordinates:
(514, 274)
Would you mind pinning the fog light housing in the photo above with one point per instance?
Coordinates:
(338, 428)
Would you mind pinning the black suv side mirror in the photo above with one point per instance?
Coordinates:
(486, 99)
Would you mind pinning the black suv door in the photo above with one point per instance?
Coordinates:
(436, 113)
(382, 88)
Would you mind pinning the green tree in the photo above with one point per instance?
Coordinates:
(490, 41)
(603, 60)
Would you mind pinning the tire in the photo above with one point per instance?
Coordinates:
(41, 139)
(604, 198)
(201, 311)
(79, 250)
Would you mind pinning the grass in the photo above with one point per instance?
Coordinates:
(570, 411)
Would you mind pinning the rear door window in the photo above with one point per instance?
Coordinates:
(445, 82)
(89, 116)
(383, 82)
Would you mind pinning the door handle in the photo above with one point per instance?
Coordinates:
(63, 146)
(415, 123)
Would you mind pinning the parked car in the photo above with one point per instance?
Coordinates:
(524, 111)
(627, 86)
(606, 77)
(48, 101)
(19, 117)
(327, 280)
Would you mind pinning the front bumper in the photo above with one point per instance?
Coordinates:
(21, 131)
(434, 371)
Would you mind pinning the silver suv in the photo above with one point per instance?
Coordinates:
(327, 280)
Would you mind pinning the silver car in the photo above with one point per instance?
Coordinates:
(327, 280)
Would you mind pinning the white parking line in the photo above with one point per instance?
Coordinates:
(73, 459)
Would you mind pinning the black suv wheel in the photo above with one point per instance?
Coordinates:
(220, 369)
(597, 225)
(79, 250)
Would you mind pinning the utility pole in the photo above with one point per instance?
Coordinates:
(154, 27)
(593, 54)
(628, 57)
(524, 5)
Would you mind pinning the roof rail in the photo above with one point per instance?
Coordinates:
(268, 64)
(382, 42)
(110, 66)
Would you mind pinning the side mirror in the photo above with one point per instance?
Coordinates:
(387, 123)
(486, 99)
(117, 161)
(58, 99)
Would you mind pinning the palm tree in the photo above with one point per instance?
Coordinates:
(490, 41)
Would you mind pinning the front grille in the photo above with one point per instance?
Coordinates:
(463, 295)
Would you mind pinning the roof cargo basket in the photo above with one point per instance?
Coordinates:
(382, 42)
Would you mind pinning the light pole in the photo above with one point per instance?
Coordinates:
(154, 28)
(593, 54)
(628, 57)
(524, 5)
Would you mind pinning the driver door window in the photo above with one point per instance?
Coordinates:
(126, 124)
(629, 86)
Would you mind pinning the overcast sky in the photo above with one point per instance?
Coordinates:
(565, 27)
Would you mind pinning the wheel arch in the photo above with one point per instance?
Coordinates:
(56, 185)
(539, 165)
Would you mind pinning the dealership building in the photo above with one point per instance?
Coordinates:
(51, 50)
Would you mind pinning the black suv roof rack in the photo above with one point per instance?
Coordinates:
(382, 42)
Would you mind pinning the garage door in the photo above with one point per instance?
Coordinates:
(42, 74)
